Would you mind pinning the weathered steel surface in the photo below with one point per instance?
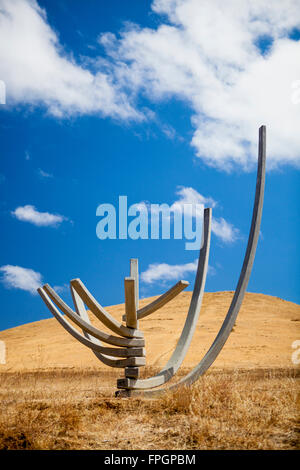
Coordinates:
(236, 302)
(118, 352)
(190, 324)
(102, 314)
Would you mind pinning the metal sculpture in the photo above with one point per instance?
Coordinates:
(130, 340)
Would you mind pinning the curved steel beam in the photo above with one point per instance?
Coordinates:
(236, 302)
(107, 360)
(185, 339)
(81, 311)
(117, 352)
(102, 314)
(161, 301)
(86, 326)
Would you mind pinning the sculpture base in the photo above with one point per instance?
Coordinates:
(123, 393)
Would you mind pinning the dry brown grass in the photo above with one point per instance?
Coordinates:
(75, 409)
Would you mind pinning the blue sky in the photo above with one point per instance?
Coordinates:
(148, 100)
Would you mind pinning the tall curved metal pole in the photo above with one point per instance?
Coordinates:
(236, 302)
(186, 336)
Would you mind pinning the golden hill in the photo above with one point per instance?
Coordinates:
(262, 337)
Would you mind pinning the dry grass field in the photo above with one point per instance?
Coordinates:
(55, 395)
(72, 410)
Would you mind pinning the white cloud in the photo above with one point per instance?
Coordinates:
(169, 131)
(16, 277)
(224, 230)
(191, 204)
(207, 54)
(220, 227)
(37, 70)
(44, 174)
(29, 213)
(167, 272)
(188, 195)
(61, 289)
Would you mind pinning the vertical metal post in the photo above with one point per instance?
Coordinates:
(131, 306)
(134, 272)
(130, 303)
